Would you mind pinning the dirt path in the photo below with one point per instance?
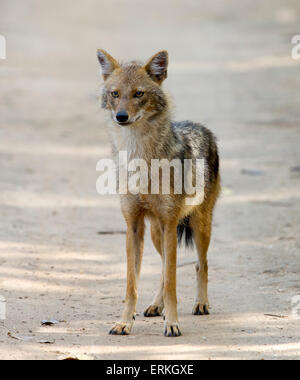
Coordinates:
(230, 69)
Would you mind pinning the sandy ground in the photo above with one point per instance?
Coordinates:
(231, 69)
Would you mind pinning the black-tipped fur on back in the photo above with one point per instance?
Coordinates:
(184, 230)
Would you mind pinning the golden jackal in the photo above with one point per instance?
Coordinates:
(140, 123)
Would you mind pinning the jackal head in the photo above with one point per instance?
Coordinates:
(132, 91)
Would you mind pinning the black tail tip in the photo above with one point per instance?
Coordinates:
(184, 231)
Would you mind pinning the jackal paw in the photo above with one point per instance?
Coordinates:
(153, 311)
(121, 328)
(172, 329)
(201, 309)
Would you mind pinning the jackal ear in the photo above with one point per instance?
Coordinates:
(107, 62)
(157, 66)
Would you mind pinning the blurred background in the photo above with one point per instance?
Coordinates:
(62, 245)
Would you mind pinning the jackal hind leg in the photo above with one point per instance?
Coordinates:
(134, 247)
(201, 225)
(156, 307)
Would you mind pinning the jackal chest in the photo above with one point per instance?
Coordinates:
(161, 206)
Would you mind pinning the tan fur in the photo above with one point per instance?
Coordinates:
(149, 135)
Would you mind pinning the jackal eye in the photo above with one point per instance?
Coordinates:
(115, 94)
(139, 94)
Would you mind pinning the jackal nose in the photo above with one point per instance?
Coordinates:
(122, 117)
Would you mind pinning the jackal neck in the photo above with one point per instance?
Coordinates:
(150, 139)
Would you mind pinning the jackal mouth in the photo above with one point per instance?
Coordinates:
(129, 122)
(125, 124)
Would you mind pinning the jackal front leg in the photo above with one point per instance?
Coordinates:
(134, 245)
(157, 305)
(170, 297)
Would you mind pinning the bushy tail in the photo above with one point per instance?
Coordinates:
(184, 230)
